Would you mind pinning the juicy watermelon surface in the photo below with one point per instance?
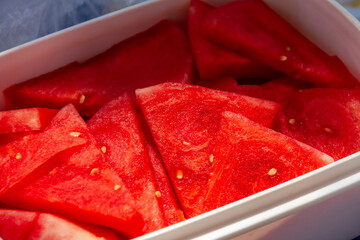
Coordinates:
(160, 54)
(251, 28)
(184, 120)
(213, 61)
(249, 158)
(115, 126)
(327, 119)
(19, 158)
(25, 120)
(67, 184)
(171, 123)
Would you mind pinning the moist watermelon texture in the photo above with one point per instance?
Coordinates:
(251, 28)
(249, 158)
(184, 120)
(81, 185)
(159, 54)
(167, 198)
(19, 158)
(213, 61)
(10, 137)
(117, 130)
(25, 120)
(325, 118)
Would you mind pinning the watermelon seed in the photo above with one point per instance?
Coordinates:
(283, 58)
(186, 143)
(158, 194)
(179, 174)
(94, 171)
(292, 120)
(300, 90)
(117, 187)
(82, 99)
(18, 156)
(288, 49)
(328, 130)
(211, 158)
(52, 171)
(103, 149)
(75, 134)
(272, 171)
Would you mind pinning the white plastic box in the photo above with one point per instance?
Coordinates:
(323, 204)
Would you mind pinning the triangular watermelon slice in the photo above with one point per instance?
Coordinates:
(167, 198)
(249, 158)
(159, 54)
(24, 120)
(213, 61)
(19, 158)
(252, 28)
(184, 120)
(117, 130)
(79, 185)
(327, 119)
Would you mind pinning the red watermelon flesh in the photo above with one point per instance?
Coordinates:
(81, 186)
(16, 225)
(326, 119)
(159, 54)
(253, 29)
(19, 158)
(117, 130)
(168, 200)
(249, 158)
(213, 61)
(184, 120)
(51, 227)
(7, 138)
(24, 120)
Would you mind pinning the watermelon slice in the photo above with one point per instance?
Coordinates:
(24, 120)
(249, 158)
(80, 185)
(117, 130)
(160, 54)
(184, 120)
(16, 225)
(21, 157)
(326, 119)
(168, 200)
(213, 61)
(253, 29)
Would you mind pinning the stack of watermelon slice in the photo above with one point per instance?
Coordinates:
(177, 123)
